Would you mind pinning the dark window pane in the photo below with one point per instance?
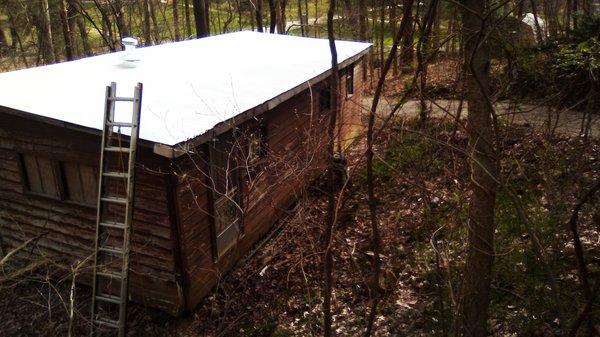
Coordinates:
(324, 99)
(350, 81)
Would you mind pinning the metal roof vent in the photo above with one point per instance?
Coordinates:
(130, 58)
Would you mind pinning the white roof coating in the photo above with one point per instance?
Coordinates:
(189, 86)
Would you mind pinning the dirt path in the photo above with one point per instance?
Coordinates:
(566, 122)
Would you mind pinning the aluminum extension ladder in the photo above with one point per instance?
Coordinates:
(114, 217)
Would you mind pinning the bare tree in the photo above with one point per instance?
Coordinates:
(146, 30)
(121, 20)
(45, 40)
(258, 11)
(423, 55)
(407, 38)
(362, 20)
(272, 16)
(188, 21)
(175, 5)
(484, 170)
(331, 193)
(66, 30)
(200, 16)
(372, 200)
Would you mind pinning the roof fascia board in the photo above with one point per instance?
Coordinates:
(63, 124)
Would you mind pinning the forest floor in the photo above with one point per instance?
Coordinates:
(422, 191)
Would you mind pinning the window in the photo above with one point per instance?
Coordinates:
(350, 81)
(81, 183)
(226, 198)
(41, 176)
(227, 221)
(256, 142)
(324, 99)
(60, 180)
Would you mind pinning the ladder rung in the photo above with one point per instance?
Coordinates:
(115, 174)
(122, 124)
(111, 323)
(115, 200)
(116, 149)
(112, 224)
(111, 249)
(109, 298)
(121, 99)
(109, 274)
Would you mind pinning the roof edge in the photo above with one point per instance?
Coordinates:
(179, 149)
(63, 124)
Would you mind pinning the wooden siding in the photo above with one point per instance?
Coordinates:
(69, 227)
(295, 140)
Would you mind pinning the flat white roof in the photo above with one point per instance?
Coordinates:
(189, 86)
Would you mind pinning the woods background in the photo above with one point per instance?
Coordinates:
(472, 207)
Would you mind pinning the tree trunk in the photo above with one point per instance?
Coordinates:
(66, 30)
(423, 56)
(272, 16)
(474, 301)
(188, 21)
(107, 32)
(259, 17)
(350, 14)
(281, 21)
(362, 20)
(45, 41)
(407, 38)
(549, 7)
(581, 265)
(540, 33)
(155, 27)
(372, 201)
(175, 5)
(147, 30)
(331, 199)
(300, 17)
(200, 18)
(586, 6)
(83, 35)
(3, 40)
(393, 26)
(121, 21)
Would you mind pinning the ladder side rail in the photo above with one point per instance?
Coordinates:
(111, 117)
(108, 113)
(136, 111)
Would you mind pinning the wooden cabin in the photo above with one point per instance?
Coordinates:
(225, 148)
